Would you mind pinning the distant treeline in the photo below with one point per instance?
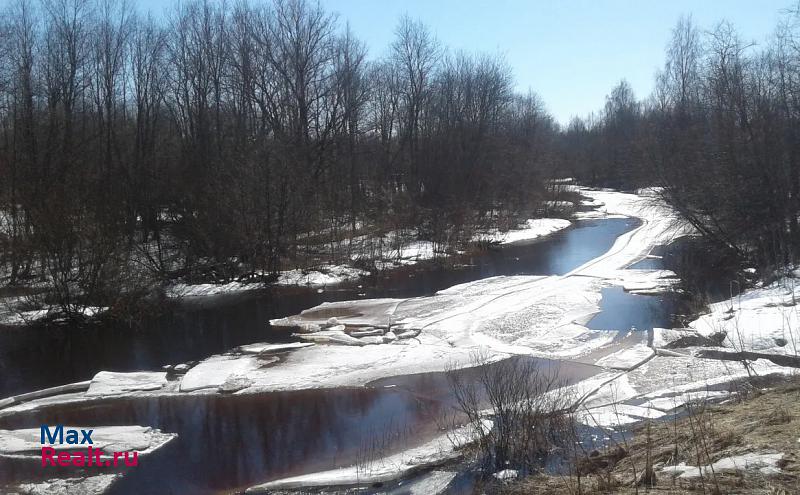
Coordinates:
(204, 141)
(720, 134)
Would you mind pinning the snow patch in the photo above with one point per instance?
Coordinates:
(320, 277)
(765, 463)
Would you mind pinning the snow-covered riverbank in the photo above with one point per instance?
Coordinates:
(392, 251)
(756, 333)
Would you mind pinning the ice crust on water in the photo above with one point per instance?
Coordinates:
(383, 469)
(214, 371)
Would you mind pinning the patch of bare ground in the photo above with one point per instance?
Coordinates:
(758, 421)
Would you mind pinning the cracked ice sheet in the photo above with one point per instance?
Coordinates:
(328, 366)
(381, 470)
(432, 483)
(666, 383)
(93, 485)
(533, 316)
(626, 359)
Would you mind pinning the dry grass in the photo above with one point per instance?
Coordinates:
(766, 421)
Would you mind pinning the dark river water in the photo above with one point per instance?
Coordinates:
(227, 443)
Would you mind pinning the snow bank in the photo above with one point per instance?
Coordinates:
(641, 281)
(532, 229)
(14, 317)
(506, 474)
(180, 290)
(765, 320)
(320, 277)
(317, 277)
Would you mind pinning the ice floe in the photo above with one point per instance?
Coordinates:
(216, 370)
(26, 443)
(113, 383)
(383, 469)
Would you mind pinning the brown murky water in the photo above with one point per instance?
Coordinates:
(226, 443)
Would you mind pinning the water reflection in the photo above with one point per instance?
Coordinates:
(623, 311)
(232, 442)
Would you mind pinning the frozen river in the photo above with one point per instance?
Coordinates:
(287, 422)
(35, 358)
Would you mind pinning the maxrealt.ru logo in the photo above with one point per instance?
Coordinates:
(58, 435)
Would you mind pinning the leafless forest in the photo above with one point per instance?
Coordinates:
(204, 143)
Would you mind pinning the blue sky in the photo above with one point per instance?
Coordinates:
(571, 52)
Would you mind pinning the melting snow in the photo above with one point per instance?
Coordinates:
(766, 463)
